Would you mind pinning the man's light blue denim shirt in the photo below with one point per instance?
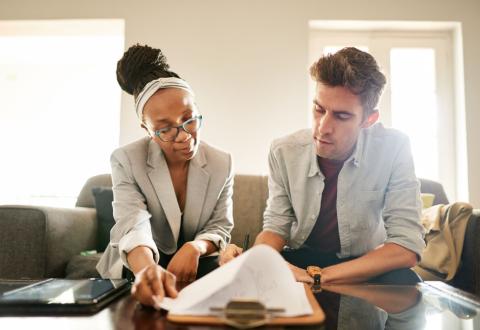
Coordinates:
(378, 194)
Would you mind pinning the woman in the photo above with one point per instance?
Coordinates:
(172, 193)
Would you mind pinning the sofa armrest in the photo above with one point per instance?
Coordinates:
(38, 241)
(468, 274)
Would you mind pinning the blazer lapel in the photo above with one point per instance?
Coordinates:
(162, 183)
(197, 185)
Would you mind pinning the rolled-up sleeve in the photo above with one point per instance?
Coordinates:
(402, 208)
(218, 227)
(279, 215)
(132, 219)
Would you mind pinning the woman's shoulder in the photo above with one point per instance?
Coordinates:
(214, 156)
(135, 149)
(213, 150)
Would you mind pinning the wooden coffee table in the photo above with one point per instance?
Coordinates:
(426, 303)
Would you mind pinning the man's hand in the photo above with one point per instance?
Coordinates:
(152, 284)
(184, 263)
(231, 252)
(300, 274)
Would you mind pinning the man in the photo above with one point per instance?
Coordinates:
(344, 195)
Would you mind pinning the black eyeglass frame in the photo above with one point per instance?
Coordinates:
(158, 132)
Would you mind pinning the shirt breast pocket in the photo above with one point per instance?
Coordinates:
(368, 209)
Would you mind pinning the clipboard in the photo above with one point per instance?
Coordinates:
(317, 317)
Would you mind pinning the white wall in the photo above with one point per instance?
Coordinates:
(247, 60)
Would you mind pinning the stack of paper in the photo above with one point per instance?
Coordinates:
(260, 273)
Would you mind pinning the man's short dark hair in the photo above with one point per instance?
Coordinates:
(355, 70)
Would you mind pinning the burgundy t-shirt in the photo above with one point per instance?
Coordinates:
(324, 236)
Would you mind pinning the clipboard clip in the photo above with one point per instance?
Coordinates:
(246, 313)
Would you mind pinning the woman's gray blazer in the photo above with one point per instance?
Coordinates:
(145, 206)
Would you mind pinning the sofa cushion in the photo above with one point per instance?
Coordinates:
(83, 266)
(103, 203)
(250, 194)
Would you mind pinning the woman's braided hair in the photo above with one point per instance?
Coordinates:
(139, 65)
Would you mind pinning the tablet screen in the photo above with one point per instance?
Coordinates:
(63, 291)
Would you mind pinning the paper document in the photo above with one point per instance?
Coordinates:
(260, 273)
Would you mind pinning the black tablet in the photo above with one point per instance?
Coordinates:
(62, 296)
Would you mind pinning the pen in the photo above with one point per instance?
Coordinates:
(246, 241)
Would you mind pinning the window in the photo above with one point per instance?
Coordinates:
(418, 98)
(60, 106)
(414, 105)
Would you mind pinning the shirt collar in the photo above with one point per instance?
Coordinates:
(355, 157)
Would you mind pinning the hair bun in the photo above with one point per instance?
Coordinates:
(139, 65)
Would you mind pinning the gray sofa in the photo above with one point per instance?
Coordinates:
(42, 242)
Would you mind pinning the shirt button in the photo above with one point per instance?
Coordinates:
(313, 216)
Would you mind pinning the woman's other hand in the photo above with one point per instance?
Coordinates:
(231, 251)
(184, 263)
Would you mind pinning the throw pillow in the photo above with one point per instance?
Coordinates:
(103, 203)
(427, 200)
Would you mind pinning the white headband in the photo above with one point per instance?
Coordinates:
(153, 86)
